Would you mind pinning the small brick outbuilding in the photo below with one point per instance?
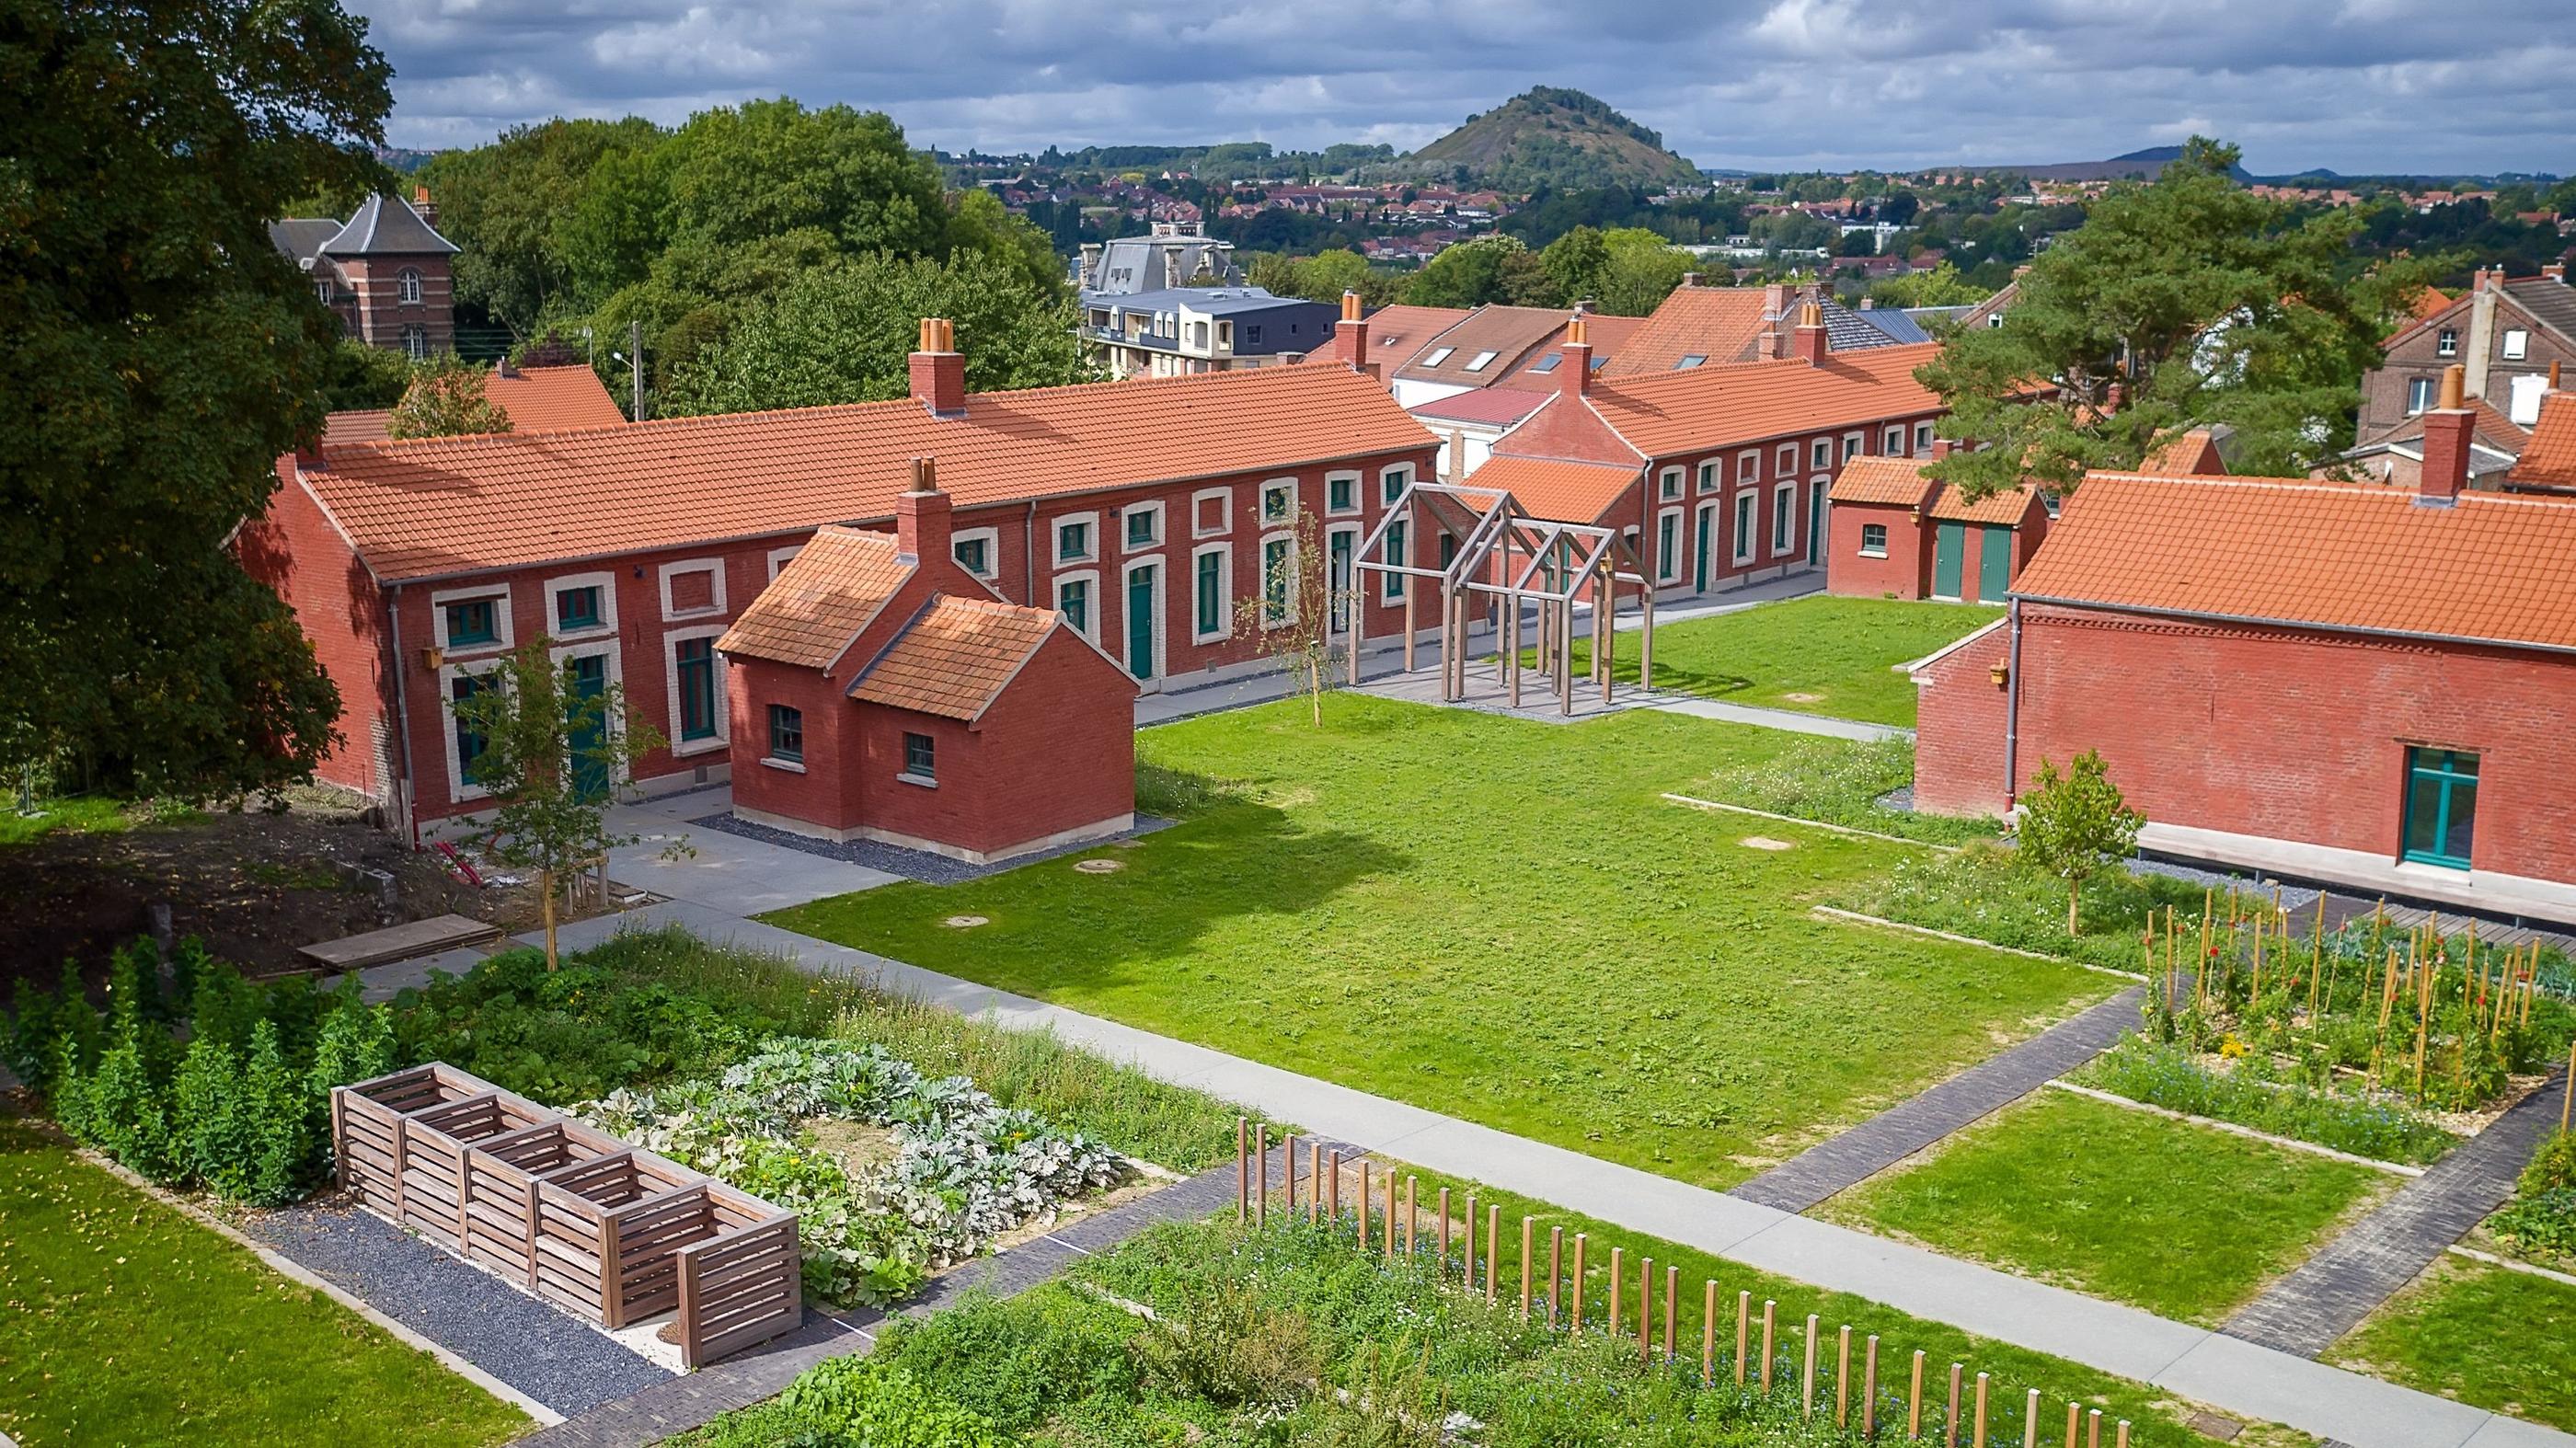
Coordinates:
(1893, 532)
(880, 691)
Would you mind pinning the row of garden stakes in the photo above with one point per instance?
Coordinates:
(1252, 1148)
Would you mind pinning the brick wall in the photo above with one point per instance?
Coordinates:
(294, 549)
(1959, 729)
(823, 793)
(1759, 474)
(381, 314)
(1905, 567)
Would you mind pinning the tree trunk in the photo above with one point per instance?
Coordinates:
(1315, 688)
(546, 885)
(2074, 903)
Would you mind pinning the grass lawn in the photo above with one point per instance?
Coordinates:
(87, 815)
(1816, 655)
(125, 1322)
(2181, 1220)
(2485, 1335)
(1496, 919)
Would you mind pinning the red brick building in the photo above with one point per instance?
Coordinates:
(1895, 533)
(384, 272)
(1140, 510)
(2346, 683)
(880, 691)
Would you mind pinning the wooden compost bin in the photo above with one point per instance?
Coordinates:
(572, 1214)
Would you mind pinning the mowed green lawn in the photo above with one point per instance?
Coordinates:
(1496, 919)
(1816, 655)
(2181, 1220)
(2485, 1335)
(122, 1321)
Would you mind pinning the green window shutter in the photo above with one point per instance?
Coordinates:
(697, 666)
(1211, 592)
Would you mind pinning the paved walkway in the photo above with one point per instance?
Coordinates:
(2225, 1372)
(1920, 1120)
(2329, 1294)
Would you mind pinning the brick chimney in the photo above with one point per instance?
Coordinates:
(1574, 375)
(1352, 329)
(1809, 341)
(1942, 447)
(939, 369)
(427, 208)
(2556, 271)
(1690, 279)
(1775, 310)
(2447, 429)
(921, 515)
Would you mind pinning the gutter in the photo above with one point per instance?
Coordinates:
(2341, 629)
(1029, 556)
(2012, 712)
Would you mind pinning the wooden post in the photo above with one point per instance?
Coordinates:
(1645, 1308)
(1333, 1193)
(1950, 1419)
(1743, 1334)
(2030, 1420)
(1314, 1180)
(1807, 1373)
(1672, 1293)
(1512, 658)
(1406, 579)
(1529, 1241)
(1768, 1307)
(1842, 1377)
(2567, 1098)
(1646, 637)
(2072, 1412)
(1979, 1437)
(1493, 1250)
(1618, 1279)
(1574, 1314)
(1914, 1400)
(1444, 643)
(1468, 1249)
(1261, 1173)
(1364, 1205)
(1869, 1388)
(1412, 1214)
(1601, 632)
(1565, 658)
(2123, 1440)
(1444, 1229)
(1390, 1217)
(1288, 1172)
(1555, 1271)
(1708, 1338)
(2093, 1427)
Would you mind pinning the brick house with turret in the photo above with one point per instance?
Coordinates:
(384, 272)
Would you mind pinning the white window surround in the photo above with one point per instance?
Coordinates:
(1745, 523)
(1708, 476)
(1090, 626)
(606, 583)
(781, 557)
(1392, 481)
(1852, 443)
(1820, 454)
(1352, 477)
(407, 286)
(671, 571)
(1224, 593)
(1261, 563)
(1127, 542)
(1784, 519)
(991, 538)
(1224, 499)
(1264, 516)
(1748, 465)
(671, 641)
(1055, 532)
(1788, 458)
(503, 624)
(2517, 344)
(1922, 437)
(458, 791)
(1668, 562)
(1866, 551)
(1669, 484)
(1892, 441)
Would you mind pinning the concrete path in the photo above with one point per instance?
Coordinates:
(2328, 1295)
(727, 872)
(1920, 1120)
(2224, 1372)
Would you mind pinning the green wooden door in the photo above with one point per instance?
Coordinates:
(1140, 622)
(1707, 526)
(1815, 524)
(1949, 550)
(1343, 543)
(586, 679)
(1994, 562)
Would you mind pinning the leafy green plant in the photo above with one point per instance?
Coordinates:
(2169, 1075)
(2552, 1167)
(2544, 1222)
(2074, 825)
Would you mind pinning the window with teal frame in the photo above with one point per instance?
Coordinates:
(577, 609)
(476, 621)
(1395, 554)
(2441, 806)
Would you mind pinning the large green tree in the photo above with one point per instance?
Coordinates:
(522, 208)
(2202, 303)
(161, 354)
(1470, 274)
(841, 333)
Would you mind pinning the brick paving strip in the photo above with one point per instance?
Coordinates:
(2330, 1293)
(1923, 1119)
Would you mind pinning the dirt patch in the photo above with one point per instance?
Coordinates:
(1798, 698)
(1136, 1185)
(256, 886)
(1765, 842)
(858, 1146)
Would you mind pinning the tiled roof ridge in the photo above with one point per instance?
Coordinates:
(1123, 388)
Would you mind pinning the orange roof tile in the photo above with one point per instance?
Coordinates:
(2192, 452)
(2550, 456)
(2493, 568)
(830, 591)
(1718, 406)
(2005, 506)
(956, 658)
(1894, 480)
(343, 428)
(1565, 492)
(543, 399)
(443, 506)
(1719, 324)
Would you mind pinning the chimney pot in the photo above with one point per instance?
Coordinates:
(938, 370)
(1352, 329)
(1810, 342)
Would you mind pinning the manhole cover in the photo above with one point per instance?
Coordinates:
(1100, 867)
(1765, 842)
(966, 922)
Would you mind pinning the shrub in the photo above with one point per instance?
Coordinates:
(2544, 1222)
(864, 1403)
(1020, 1362)
(2553, 1167)
(2168, 1076)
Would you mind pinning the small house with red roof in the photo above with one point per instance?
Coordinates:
(880, 691)
(2346, 683)
(1895, 533)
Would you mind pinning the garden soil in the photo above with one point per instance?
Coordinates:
(256, 886)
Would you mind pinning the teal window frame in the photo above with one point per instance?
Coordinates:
(473, 621)
(1873, 540)
(694, 662)
(920, 756)
(1073, 600)
(470, 743)
(1393, 484)
(787, 733)
(1395, 554)
(1210, 590)
(1341, 495)
(2438, 777)
(1072, 541)
(572, 619)
(1278, 501)
(970, 555)
(1278, 574)
(1143, 526)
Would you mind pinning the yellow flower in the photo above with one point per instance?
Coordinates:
(2231, 1048)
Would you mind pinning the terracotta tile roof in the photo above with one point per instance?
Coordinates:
(1492, 406)
(1395, 334)
(2493, 568)
(543, 399)
(1719, 406)
(2005, 506)
(2193, 452)
(830, 591)
(1719, 324)
(1567, 492)
(343, 428)
(2550, 456)
(955, 658)
(1891, 480)
(1512, 334)
(443, 506)
(2430, 303)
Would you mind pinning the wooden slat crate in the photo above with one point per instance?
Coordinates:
(572, 1214)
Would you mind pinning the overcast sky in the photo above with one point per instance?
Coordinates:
(2353, 85)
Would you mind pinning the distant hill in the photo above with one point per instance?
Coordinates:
(2147, 164)
(1559, 138)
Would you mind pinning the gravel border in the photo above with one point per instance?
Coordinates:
(920, 865)
(551, 1356)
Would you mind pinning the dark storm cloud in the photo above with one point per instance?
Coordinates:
(2360, 85)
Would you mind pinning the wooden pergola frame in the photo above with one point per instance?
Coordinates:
(1513, 560)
